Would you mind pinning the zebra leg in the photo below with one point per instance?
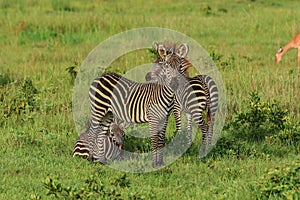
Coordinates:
(155, 140)
(211, 115)
(204, 128)
(177, 116)
(161, 142)
(211, 121)
(189, 129)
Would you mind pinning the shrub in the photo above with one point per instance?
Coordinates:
(282, 182)
(73, 71)
(261, 119)
(93, 188)
(223, 63)
(263, 129)
(18, 97)
(5, 79)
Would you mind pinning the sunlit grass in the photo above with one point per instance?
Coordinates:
(40, 40)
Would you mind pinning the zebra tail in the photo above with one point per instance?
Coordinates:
(213, 97)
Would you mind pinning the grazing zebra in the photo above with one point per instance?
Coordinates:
(88, 143)
(194, 95)
(134, 102)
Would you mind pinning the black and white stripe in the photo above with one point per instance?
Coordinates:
(108, 136)
(193, 95)
(133, 102)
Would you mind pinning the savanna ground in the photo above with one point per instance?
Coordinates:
(42, 46)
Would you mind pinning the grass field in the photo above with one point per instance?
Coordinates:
(257, 155)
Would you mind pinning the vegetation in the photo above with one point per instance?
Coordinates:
(43, 44)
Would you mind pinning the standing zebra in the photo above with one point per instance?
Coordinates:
(193, 96)
(134, 102)
(88, 143)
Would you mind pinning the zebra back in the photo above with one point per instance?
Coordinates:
(128, 100)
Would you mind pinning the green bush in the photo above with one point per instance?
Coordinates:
(5, 79)
(261, 119)
(282, 182)
(72, 71)
(93, 188)
(62, 5)
(261, 131)
(223, 63)
(18, 98)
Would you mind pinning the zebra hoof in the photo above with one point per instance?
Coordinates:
(102, 162)
(157, 164)
(190, 144)
(203, 151)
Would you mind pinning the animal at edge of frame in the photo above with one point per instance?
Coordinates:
(293, 44)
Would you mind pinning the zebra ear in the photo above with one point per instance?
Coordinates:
(155, 46)
(183, 50)
(162, 51)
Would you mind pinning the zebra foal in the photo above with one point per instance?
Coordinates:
(194, 95)
(88, 143)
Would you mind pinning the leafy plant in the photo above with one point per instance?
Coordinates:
(283, 182)
(263, 122)
(62, 5)
(221, 61)
(93, 188)
(5, 79)
(208, 10)
(153, 52)
(73, 70)
(261, 119)
(18, 97)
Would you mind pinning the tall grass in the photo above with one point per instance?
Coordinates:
(41, 40)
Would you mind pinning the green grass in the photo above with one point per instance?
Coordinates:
(40, 39)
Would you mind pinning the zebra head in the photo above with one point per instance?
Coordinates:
(175, 58)
(171, 65)
(162, 74)
(169, 57)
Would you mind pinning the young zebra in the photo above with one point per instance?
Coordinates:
(134, 102)
(193, 95)
(88, 143)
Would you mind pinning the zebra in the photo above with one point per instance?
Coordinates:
(194, 94)
(134, 102)
(88, 144)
